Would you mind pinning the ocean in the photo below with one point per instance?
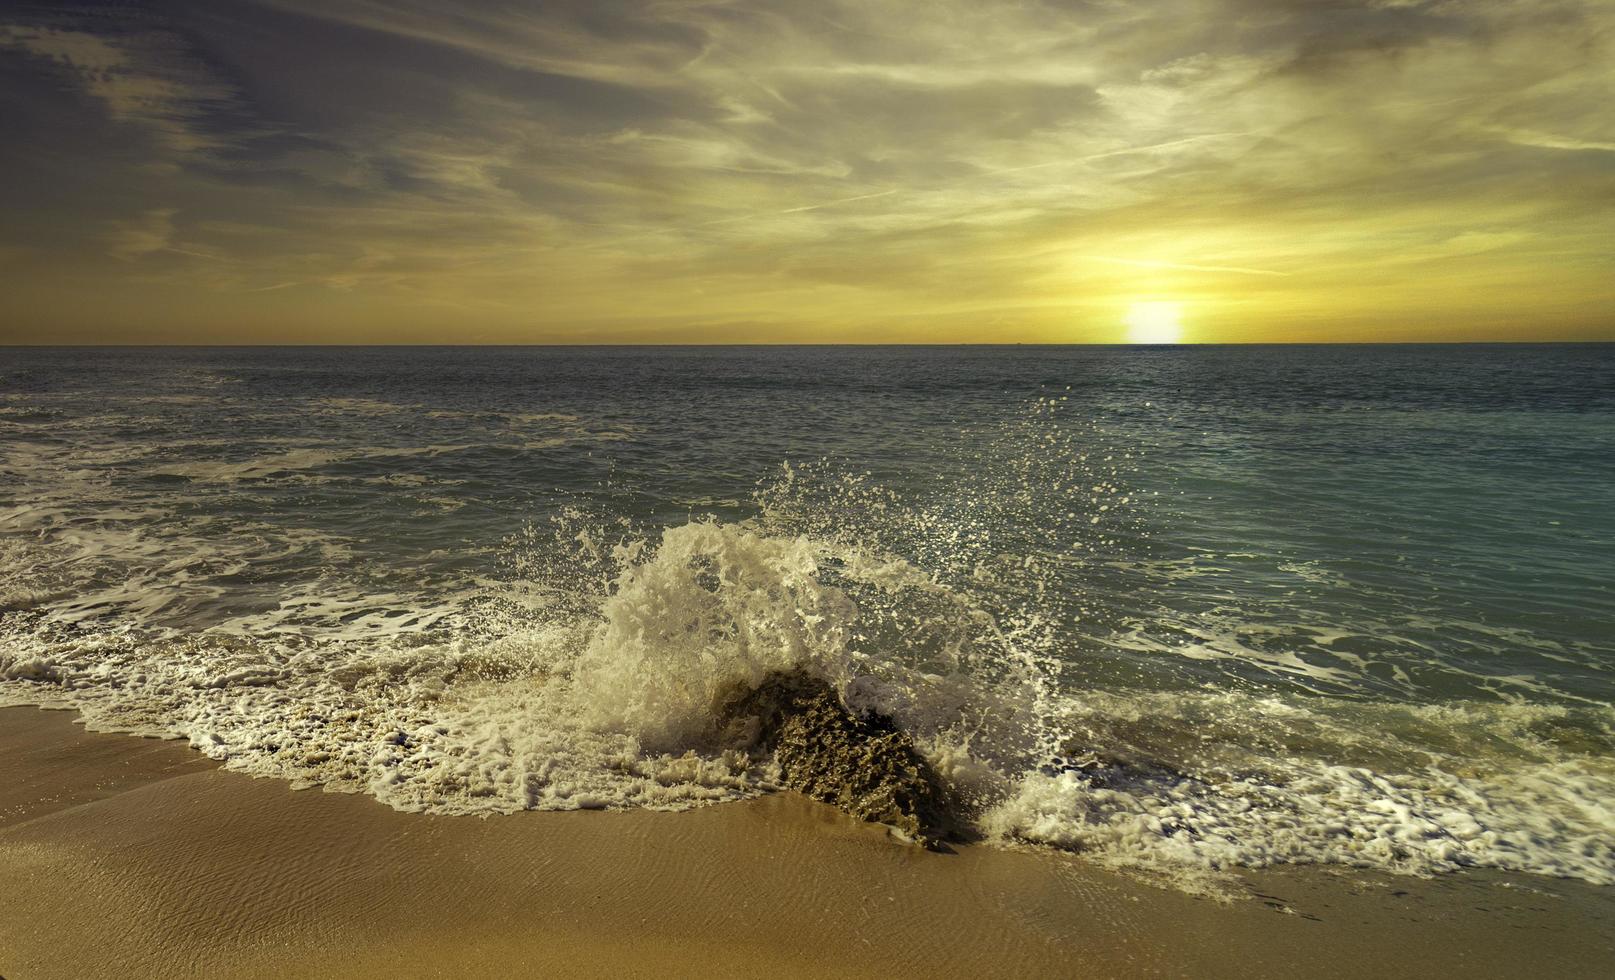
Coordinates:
(1182, 610)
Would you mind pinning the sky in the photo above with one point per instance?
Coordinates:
(806, 171)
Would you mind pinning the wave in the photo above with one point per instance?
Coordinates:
(958, 642)
(596, 677)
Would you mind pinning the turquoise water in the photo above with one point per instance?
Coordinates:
(1182, 609)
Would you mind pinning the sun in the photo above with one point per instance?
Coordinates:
(1154, 323)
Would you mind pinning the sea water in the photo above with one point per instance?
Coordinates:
(1181, 609)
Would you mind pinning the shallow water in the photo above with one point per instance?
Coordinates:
(1179, 608)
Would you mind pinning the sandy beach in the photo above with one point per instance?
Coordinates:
(134, 857)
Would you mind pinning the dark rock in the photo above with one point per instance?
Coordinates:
(864, 765)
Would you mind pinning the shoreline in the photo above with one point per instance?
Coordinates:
(123, 856)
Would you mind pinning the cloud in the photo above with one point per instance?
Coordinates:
(1186, 266)
(151, 232)
(139, 78)
(1526, 137)
(702, 164)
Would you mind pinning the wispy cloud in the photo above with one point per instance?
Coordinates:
(138, 238)
(139, 78)
(1184, 266)
(1526, 137)
(854, 165)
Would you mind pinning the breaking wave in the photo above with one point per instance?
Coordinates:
(588, 675)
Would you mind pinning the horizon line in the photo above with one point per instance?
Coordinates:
(826, 344)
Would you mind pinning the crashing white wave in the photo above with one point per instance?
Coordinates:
(584, 673)
(593, 684)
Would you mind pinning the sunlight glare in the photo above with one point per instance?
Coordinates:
(1154, 323)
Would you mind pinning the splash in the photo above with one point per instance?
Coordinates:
(943, 634)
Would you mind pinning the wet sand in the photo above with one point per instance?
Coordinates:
(128, 857)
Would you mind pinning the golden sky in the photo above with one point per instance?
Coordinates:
(449, 171)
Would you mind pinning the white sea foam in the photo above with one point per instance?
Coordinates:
(584, 672)
(599, 693)
(1219, 781)
(295, 461)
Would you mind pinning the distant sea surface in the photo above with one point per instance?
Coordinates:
(1180, 609)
